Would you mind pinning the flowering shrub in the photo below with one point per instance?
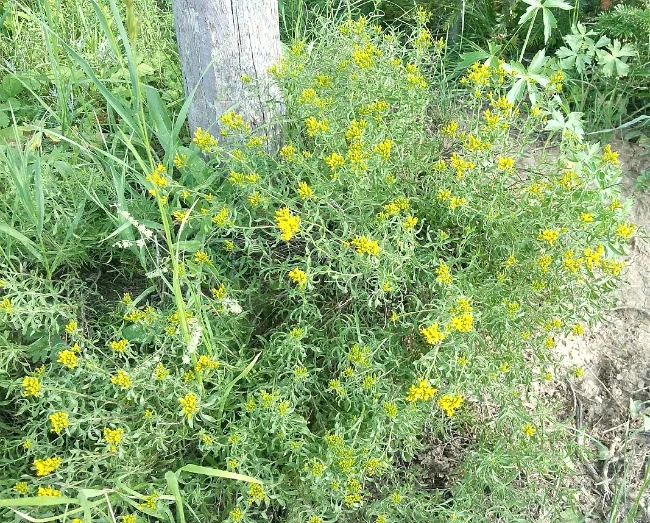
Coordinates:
(392, 276)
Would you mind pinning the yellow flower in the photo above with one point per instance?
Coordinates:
(298, 276)
(190, 404)
(625, 230)
(315, 126)
(180, 160)
(254, 199)
(59, 421)
(287, 223)
(5, 305)
(113, 437)
(587, 217)
(121, 379)
(544, 262)
(71, 327)
(456, 202)
(129, 518)
(205, 363)
(204, 140)
(506, 163)
(68, 358)
(201, 257)
(45, 466)
(120, 345)
(612, 267)
(410, 222)
(423, 391)
(432, 333)
(579, 372)
(236, 515)
(451, 128)
(444, 194)
(365, 245)
(592, 257)
(383, 149)
(304, 191)
(462, 323)
(31, 386)
(180, 216)
(549, 236)
(288, 152)
(234, 121)
(21, 487)
(449, 403)
(462, 361)
(443, 273)
(609, 156)
(48, 492)
(160, 372)
(529, 430)
(334, 161)
(255, 493)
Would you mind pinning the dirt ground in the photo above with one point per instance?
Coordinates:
(611, 400)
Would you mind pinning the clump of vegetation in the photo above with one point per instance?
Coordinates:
(387, 280)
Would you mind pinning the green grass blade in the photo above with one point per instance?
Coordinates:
(172, 483)
(24, 240)
(209, 471)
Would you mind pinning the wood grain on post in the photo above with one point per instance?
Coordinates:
(239, 37)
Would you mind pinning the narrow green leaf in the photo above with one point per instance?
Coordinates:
(24, 240)
(209, 471)
(172, 483)
(38, 501)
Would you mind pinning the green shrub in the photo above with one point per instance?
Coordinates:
(392, 279)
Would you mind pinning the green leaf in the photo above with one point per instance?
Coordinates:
(558, 4)
(21, 238)
(172, 484)
(550, 23)
(209, 471)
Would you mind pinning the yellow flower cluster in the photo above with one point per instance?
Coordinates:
(46, 466)
(59, 421)
(113, 437)
(21, 487)
(625, 231)
(528, 430)
(48, 492)
(449, 403)
(190, 404)
(121, 379)
(68, 358)
(383, 149)
(609, 156)
(71, 327)
(315, 126)
(423, 391)
(234, 121)
(460, 164)
(549, 235)
(204, 140)
(451, 128)
(157, 177)
(204, 363)
(365, 245)
(31, 386)
(119, 345)
(298, 276)
(443, 273)
(304, 191)
(255, 493)
(201, 257)
(5, 305)
(505, 163)
(334, 161)
(363, 56)
(410, 222)
(473, 143)
(287, 223)
(432, 333)
(462, 323)
(242, 179)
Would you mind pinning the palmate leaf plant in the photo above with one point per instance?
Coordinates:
(390, 280)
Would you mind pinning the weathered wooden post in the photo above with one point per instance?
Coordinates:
(219, 41)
